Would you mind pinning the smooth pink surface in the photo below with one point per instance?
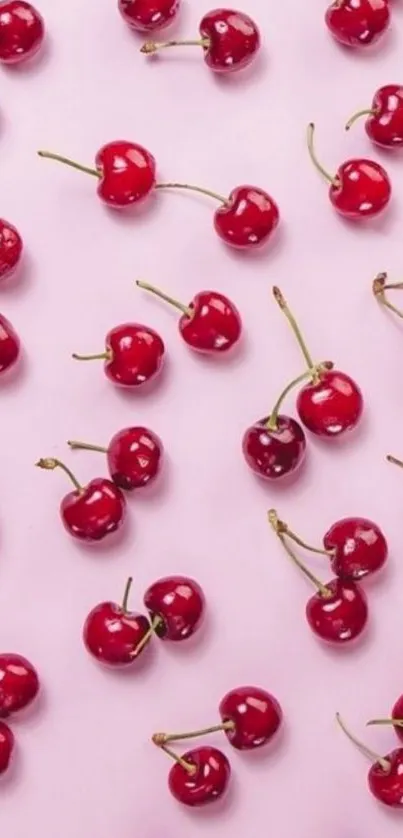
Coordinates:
(84, 764)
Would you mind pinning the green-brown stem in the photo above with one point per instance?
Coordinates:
(311, 148)
(191, 769)
(394, 722)
(192, 188)
(280, 528)
(280, 300)
(74, 445)
(285, 530)
(171, 300)
(163, 738)
(384, 763)
(391, 459)
(379, 286)
(358, 115)
(67, 162)
(126, 594)
(151, 47)
(272, 422)
(50, 463)
(101, 356)
(148, 635)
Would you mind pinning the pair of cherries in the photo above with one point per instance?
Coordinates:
(91, 512)
(11, 248)
(126, 175)
(355, 548)
(116, 636)
(19, 686)
(250, 718)
(22, 31)
(329, 405)
(358, 23)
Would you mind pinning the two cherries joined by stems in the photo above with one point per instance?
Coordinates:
(116, 636)
(358, 23)
(384, 118)
(11, 248)
(250, 718)
(126, 175)
(19, 686)
(385, 777)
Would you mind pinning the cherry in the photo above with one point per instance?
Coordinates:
(384, 123)
(331, 403)
(380, 285)
(176, 605)
(22, 31)
(6, 746)
(385, 777)
(360, 189)
(134, 456)
(10, 249)
(396, 718)
(358, 548)
(338, 611)
(148, 15)
(229, 39)
(133, 354)
(19, 684)
(198, 777)
(115, 635)
(356, 23)
(9, 344)
(210, 323)
(90, 512)
(274, 447)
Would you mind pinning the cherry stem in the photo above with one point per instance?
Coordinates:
(67, 162)
(144, 640)
(285, 530)
(191, 769)
(151, 47)
(85, 446)
(49, 463)
(395, 722)
(294, 325)
(192, 188)
(272, 422)
(310, 141)
(102, 356)
(281, 529)
(126, 594)
(162, 738)
(358, 115)
(379, 286)
(384, 763)
(391, 459)
(184, 309)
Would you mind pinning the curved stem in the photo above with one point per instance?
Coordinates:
(67, 162)
(391, 459)
(279, 528)
(144, 640)
(50, 463)
(163, 738)
(151, 47)
(394, 722)
(126, 594)
(358, 115)
(191, 769)
(192, 188)
(285, 530)
(384, 763)
(271, 425)
(85, 446)
(310, 142)
(102, 356)
(379, 286)
(153, 290)
(294, 325)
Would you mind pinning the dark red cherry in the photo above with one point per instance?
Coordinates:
(11, 247)
(384, 122)
(10, 345)
(256, 716)
(113, 634)
(134, 456)
(341, 614)
(358, 23)
(200, 776)
(359, 548)
(176, 605)
(273, 453)
(6, 746)
(22, 31)
(248, 218)
(331, 405)
(133, 354)
(19, 684)
(148, 15)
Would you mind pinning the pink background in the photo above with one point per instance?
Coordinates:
(85, 765)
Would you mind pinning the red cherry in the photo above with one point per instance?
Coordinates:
(133, 354)
(338, 611)
(22, 31)
(148, 15)
(360, 189)
(134, 456)
(385, 777)
(248, 218)
(6, 746)
(176, 605)
(114, 635)
(9, 344)
(356, 23)
(19, 684)
(255, 715)
(209, 324)
(10, 249)
(90, 512)
(384, 123)
(396, 718)
(273, 452)
(358, 548)
(199, 777)
(229, 39)
(125, 172)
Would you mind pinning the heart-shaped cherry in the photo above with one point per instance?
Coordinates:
(176, 605)
(385, 777)
(90, 512)
(229, 39)
(379, 287)
(19, 684)
(338, 611)
(210, 323)
(360, 188)
(10, 345)
(331, 403)
(384, 123)
(134, 456)
(133, 354)
(6, 746)
(199, 776)
(115, 635)
(148, 15)
(22, 31)
(358, 23)
(396, 718)
(11, 247)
